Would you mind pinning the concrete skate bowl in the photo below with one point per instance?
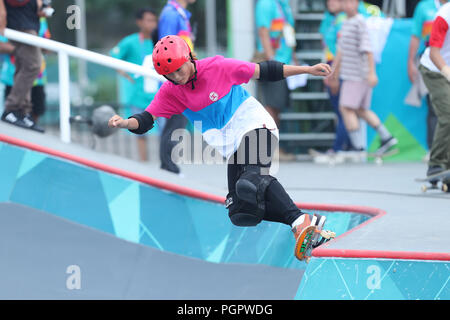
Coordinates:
(71, 228)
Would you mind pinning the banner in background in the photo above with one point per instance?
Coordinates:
(406, 123)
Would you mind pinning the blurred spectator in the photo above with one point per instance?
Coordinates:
(276, 41)
(134, 48)
(23, 16)
(174, 20)
(329, 28)
(435, 69)
(2, 17)
(334, 17)
(38, 90)
(355, 65)
(423, 18)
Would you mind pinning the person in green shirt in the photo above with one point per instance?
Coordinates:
(135, 48)
(276, 41)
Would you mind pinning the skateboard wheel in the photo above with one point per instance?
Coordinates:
(445, 187)
(327, 234)
(424, 188)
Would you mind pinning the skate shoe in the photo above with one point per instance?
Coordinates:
(303, 233)
(386, 145)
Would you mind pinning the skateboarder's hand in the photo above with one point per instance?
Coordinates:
(320, 69)
(117, 121)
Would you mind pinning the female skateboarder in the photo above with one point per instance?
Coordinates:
(209, 94)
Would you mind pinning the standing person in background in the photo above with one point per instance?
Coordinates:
(2, 17)
(276, 39)
(329, 28)
(23, 16)
(423, 18)
(355, 65)
(435, 69)
(38, 91)
(174, 20)
(134, 48)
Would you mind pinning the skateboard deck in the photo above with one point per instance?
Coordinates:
(434, 181)
(383, 154)
(379, 156)
(309, 241)
(326, 235)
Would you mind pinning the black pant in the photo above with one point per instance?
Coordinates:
(257, 148)
(37, 99)
(166, 146)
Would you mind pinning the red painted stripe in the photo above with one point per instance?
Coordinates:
(323, 251)
(126, 174)
(374, 254)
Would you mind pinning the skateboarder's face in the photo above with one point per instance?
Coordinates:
(183, 74)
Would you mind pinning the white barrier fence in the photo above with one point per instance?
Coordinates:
(64, 52)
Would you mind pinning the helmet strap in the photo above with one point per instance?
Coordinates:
(195, 74)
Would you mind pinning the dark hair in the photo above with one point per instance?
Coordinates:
(140, 13)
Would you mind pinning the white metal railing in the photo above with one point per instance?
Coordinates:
(64, 51)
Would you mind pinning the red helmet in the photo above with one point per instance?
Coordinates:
(169, 54)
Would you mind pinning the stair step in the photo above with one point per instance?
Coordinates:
(307, 136)
(309, 96)
(308, 36)
(309, 16)
(310, 55)
(287, 116)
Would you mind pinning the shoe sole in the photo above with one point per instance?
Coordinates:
(24, 126)
(303, 242)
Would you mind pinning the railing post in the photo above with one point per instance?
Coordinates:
(64, 96)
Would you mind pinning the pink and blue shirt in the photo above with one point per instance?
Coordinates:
(218, 106)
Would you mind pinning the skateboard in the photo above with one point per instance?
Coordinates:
(313, 238)
(379, 156)
(323, 157)
(326, 235)
(314, 153)
(434, 181)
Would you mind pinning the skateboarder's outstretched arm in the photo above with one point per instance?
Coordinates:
(139, 122)
(267, 70)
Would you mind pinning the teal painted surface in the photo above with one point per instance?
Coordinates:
(143, 214)
(375, 279)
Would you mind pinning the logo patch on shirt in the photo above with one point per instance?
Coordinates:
(213, 96)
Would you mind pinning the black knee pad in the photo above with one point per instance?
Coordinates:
(241, 213)
(251, 186)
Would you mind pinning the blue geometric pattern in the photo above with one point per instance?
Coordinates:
(196, 228)
(147, 215)
(374, 279)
